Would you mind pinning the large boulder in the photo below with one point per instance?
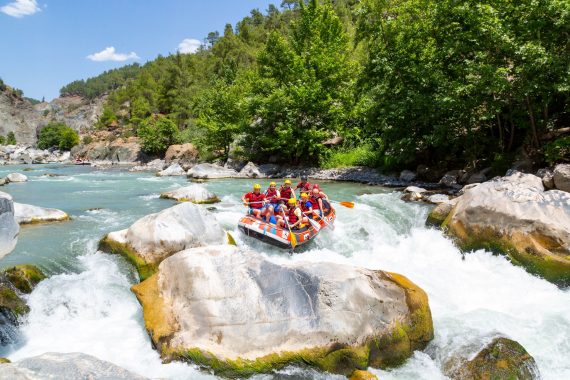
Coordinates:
(16, 177)
(562, 177)
(65, 366)
(502, 358)
(238, 313)
(28, 214)
(211, 171)
(514, 215)
(9, 228)
(119, 151)
(193, 193)
(154, 237)
(407, 175)
(172, 170)
(186, 155)
(152, 166)
(250, 170)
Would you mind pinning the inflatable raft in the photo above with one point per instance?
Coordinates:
(281, 237)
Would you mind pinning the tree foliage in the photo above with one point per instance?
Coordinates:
(11, 139)
(57, 135)
(157, 133)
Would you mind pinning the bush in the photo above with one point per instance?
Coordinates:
(557, 150)
(343, 157)
(157, 133)
(11, 139)
(2, 140)
(57, 135)
(87, 140)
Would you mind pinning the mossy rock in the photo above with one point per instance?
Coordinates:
(503, 358)
(24, 277)
(437, 216)
(385, 351)
(144, 269)
(10, 300)
(4, 361)
(362, 375)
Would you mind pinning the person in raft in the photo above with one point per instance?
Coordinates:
(306, 206)
(256, 202)
(274, 207)
(295, 218)
(316, 199)
(286, 192)
(304, 185)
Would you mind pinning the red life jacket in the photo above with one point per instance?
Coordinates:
(315, 201)
(304, 188)
(271, 195)
(286, 193)
(292, 217)
(255, 200)
(304, 208)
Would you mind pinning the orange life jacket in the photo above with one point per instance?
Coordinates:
(255, 200)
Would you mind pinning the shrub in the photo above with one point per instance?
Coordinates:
(157, 133)
(2, 140)
(11, 139)
(343, 157)
(87, 140)
(557, 150)
(57, 135)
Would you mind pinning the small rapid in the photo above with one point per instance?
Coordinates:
(87, 306)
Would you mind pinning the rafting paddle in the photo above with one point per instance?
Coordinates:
(345, 204)
(293, 237)
(313, 222)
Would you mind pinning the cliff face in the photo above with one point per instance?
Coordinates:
(18, 115)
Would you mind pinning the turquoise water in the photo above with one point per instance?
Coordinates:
(86, 305)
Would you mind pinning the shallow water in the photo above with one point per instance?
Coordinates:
(87, 306)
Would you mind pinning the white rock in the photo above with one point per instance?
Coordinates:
(414, 189)
(9, 229)
(157, 236)
(16, 177)
(236, 304)
(172, 170)
(192, 193)
(250, 170)
(562, 177)
(65, 366)
(26, 214)
(437, 198)
(211, 171)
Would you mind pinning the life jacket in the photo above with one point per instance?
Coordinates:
(271, 195)
(255, 200)
(315, 201)
(286, 193)
(304, 208)
(304, 188)
(291, 215)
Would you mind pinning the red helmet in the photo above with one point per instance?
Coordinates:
(315, 186)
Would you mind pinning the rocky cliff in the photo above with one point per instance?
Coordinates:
(20, 116)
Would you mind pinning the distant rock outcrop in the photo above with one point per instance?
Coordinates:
(118, 151)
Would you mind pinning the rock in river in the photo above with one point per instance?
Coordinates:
(16, 177)
(28, 214)
(502, 358)
(65, 366)
(514, 215)
(240, 314)
(172, 170)
(154, 237)
(211, 171)
(9, 229)
(193, 193)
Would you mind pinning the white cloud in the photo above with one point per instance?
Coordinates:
(189, 45)
(109, 54)
(20, 8)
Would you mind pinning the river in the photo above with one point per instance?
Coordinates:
(86, 304)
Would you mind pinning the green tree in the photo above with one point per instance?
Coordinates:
(303, 94)
(58, 135)
(2, 140)
(157, 133)
(107, 117)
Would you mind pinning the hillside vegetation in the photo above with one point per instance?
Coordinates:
(444, 83)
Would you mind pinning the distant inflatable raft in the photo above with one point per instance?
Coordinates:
(281, 237)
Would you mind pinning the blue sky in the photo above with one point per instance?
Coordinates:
(45, 44)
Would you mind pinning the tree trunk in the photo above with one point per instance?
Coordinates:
(512, 137)
(532, 121)
(501, 144)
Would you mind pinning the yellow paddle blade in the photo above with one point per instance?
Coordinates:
(347, 204)
(293, 240)
(231, 240)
